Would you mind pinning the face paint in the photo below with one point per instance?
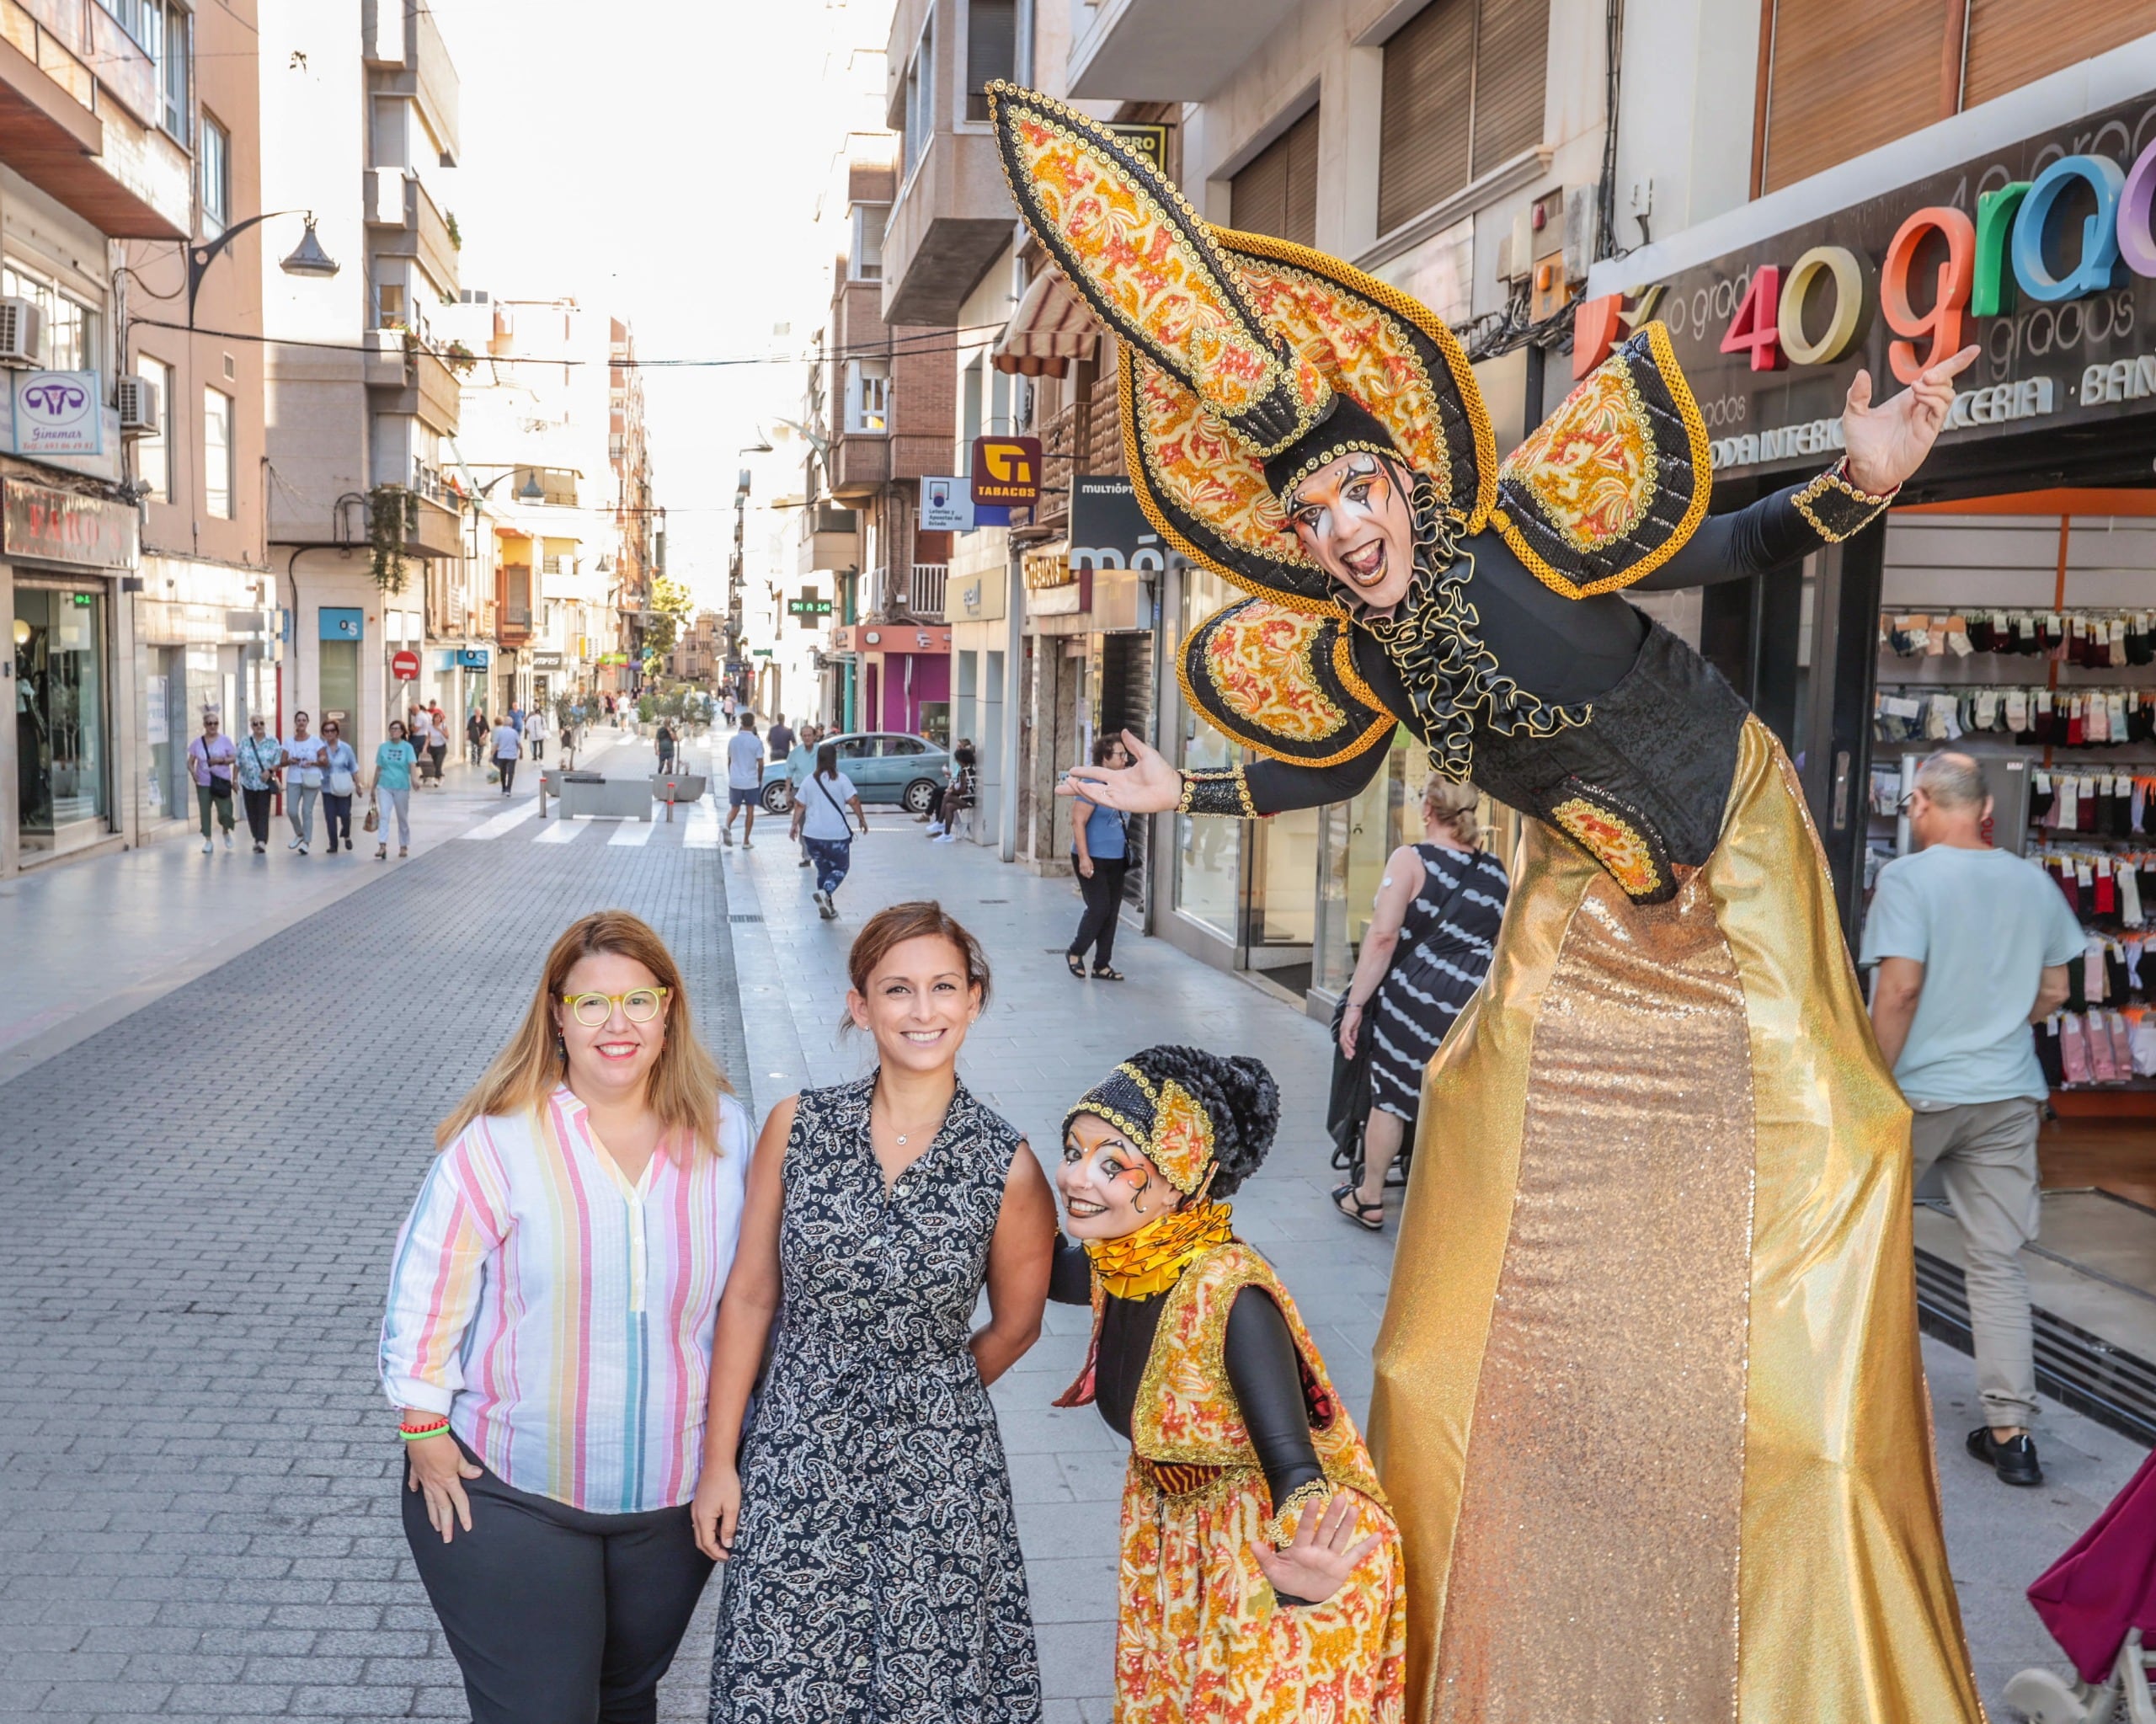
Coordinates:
(1356, 522)
(1109, 1188)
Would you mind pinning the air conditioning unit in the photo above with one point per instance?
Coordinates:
(22, 331)
(140, 409)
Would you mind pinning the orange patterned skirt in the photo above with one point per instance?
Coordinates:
(1201, 1640)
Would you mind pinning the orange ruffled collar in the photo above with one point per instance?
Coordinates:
(1141, 1264)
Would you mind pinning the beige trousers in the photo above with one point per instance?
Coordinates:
(1986, 1152)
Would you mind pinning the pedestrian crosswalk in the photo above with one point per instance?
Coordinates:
(695, 826)
(507, 820)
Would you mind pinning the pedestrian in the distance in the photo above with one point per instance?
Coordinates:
(393, 761)
(507, 748)
(745, 780)
(548, 1336)
(873, 1569)
(958, 794)
(1972, 946)
(778, 737)
(303, 756)
(1099, 851)
(475, 735)
(537, 726)
(437, 744)
(260, 754)
(800, 762)
(1433, 927)
(516, 716)
(819, 822)
(340, 783)
(664, 742)
(211, 758)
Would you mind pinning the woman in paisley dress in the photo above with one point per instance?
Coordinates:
(1261, 1581)
(864, 1516)
(1687, 1493)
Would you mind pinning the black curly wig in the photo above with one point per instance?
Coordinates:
(1238, 1095)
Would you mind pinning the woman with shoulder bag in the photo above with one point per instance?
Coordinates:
(340, 768)
(820, 823)
(1428, 947)
(1100, 852)
(260, 756)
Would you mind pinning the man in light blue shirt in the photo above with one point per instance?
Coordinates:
(1972, 945)
(800, 762)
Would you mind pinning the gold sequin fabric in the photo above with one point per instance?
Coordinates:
(1200, 1638)
(1649, 1407)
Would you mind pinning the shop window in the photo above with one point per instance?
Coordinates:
(1209, 849)
(153, 453)
(60, 719)
(1462, 93)
(217, 454)
(214, 162)
(991, 50)
(1276, 192)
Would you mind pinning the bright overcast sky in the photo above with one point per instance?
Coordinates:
(661, 160)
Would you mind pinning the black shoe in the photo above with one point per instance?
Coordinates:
(2014, 1460)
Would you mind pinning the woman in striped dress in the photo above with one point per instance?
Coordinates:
(549, 1337)
(1428, 947)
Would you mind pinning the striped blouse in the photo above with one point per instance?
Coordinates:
(561, 1315)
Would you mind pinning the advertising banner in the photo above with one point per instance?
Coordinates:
(947, 505)
(59, 413)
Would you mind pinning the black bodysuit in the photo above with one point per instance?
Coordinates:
(1260, 1355)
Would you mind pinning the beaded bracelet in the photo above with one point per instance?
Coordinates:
(411, 1434)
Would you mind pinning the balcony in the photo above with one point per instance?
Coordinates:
(952, 220)
(438, 534)
(860, 463)
(409, 223)
(84, 139)
(407, 56)
(1164, 51)
(440, 395)
(830, 541)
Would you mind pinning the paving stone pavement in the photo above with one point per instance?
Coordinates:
(197, 1506)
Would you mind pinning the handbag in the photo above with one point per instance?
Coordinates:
(373, 821)
(341, 782)
(220, 789)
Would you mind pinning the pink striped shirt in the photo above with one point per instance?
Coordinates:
(561, 1315)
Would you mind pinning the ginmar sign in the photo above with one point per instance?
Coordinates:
(59, 413)
(1006, 470)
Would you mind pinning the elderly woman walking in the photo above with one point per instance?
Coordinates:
(549, 1333)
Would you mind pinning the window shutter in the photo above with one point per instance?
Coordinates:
(1512, 60)
(1276, 193)
(991, 50)
(2014, 42)
(1423, 124)
(1817, 113)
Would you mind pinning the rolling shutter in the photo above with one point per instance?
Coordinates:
(1424, 127)
(1844, 79)
(2014, 42)
(1512, 63)
(1277, 192)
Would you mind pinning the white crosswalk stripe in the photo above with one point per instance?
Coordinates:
(703, 827)
(561, 831)
(508, 820)
(633, 832)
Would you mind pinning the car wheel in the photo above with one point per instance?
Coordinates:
(775, 800)
(919, 797)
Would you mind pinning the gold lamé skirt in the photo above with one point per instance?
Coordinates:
(1649, 1405)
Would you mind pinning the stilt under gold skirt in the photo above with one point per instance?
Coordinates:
(1649, 1405)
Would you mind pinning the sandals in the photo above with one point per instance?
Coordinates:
(1370, 1217)
(1075, 965)
(1108, 973)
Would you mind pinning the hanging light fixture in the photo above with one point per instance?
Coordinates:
(531, 491)
(308, 257)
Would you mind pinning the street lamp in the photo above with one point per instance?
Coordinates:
(307, 258)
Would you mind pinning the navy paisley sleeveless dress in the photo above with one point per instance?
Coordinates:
(875, 1573)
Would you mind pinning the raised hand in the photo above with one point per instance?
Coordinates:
(1148, 785)
(1319, 1559)
(1887, 444)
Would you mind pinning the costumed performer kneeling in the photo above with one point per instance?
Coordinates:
(1262, 1573)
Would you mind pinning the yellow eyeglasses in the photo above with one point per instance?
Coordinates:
(638, 1006)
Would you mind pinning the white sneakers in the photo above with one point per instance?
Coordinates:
(948, 838)
(208, 848)
(825, 907)
(228, 839)
(934, 829)
(294, 845)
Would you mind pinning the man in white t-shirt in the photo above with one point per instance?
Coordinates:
(819, 822)
(745, 779)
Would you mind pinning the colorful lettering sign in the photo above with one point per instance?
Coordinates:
(45, 524)
(1006, 470)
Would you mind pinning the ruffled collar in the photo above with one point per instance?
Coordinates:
(1451, 677)
(1150, 1261)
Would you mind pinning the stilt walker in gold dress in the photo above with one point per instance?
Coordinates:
(1649, 1408)
(1260, 1580)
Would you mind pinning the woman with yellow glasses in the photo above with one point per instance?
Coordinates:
(549, 1336)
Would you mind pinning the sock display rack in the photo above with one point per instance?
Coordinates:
(2060, 706)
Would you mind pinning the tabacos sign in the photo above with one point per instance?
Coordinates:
(2043, 253)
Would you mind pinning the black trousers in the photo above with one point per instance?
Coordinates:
(337, 816)
(557, 1616)
(1104, 895)
(508, 768)
(258, 813)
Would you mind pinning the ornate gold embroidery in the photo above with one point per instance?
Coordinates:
(1209, 792)
(1141, 1264)
(1260, 665)
(1287, 1516)
(1614, 843)
(1836, 508)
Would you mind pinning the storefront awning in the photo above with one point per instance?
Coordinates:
(1051, 327)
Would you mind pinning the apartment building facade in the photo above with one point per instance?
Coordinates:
(360, 383)
(98, 147)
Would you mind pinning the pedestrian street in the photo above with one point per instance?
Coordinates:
(197, 1199)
